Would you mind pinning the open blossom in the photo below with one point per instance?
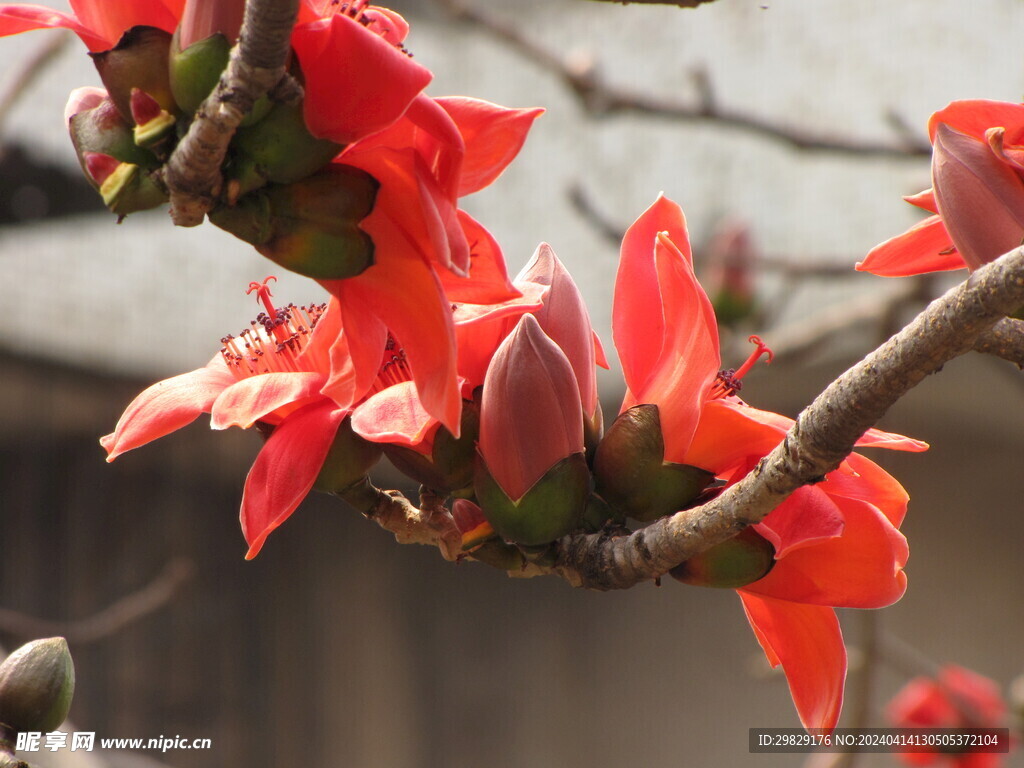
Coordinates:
(270, 375)
(836, 543)
(954, 698)
(977, 194)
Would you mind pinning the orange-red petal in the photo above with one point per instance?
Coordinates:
(808, 642)
(975, 116)
(393, 415)
(493, 136)
(925, 247)
(266, 397)
(167, 406)
(285, 470)
(863, 568)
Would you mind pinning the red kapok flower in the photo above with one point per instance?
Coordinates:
(955, 698)
(271, 374)
(977, 195)
(836, 544)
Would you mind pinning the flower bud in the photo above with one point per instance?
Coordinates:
(310, 227)
(348, 460)
(734, 563)
(103, 129)
(279, 149)
(979, 196)
(139, 60)
(124, 187)
(531, 478)
(448, 467)
(153, 123)
(632, 474)
(472, 524)
(37, 683)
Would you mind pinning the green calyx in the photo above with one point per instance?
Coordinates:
(311, 226)
(550, 509)
(105, 130)
(734, 563)
(194, 73)
(449, 468)
(632, 474)
(37, 683)
(277, 149)
(129, 190)
(348, 460)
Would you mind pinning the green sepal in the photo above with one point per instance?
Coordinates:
(194, 74)
(349, 459)
(599, 513)
(130, 189)
(498, 554)
(310, 227)
(139, 60)
(734, 563)
(279, 149)
(449, 468)
(37, 683)
(632, 474)
(104, 129)
(549, 510)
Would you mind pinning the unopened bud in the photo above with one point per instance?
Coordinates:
(152, 122)
(472, 524)
(632, 474)
(124, 187)
(734, 563)
(37, 683)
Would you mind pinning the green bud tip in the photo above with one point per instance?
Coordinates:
(37, 683)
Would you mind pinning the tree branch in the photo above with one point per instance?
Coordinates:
(600, 99)
(824, 434)
(1005, 339)
(256, 67)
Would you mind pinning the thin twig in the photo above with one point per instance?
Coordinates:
(600, 98)
(256, 67)
(109, 620)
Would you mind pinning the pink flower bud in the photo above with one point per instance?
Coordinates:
(564, 318)
(203, 18)
(979, 196)
(531, 416)
(82, 100)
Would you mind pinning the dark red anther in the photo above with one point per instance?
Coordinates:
(730, 382)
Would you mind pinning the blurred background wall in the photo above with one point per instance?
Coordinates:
(338, 647)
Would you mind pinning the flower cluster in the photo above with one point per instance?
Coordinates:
(480, 387)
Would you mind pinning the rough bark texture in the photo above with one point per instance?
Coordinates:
(1005, 339)
(256, 67)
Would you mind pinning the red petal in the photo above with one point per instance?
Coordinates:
(863, 568)
(488, 281)
(393, 415)
(22, 18)
(380, 81)
(267, 397)
(924, 200)
(285, 470)
(925, 247)
(638, 322)
(355, 354)
(421, 321)
(493, 136)
(564, 318)
(975, 116)
(807, 641)
(860, 478)
(806, 518)
(167, 406)
(730, 433)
